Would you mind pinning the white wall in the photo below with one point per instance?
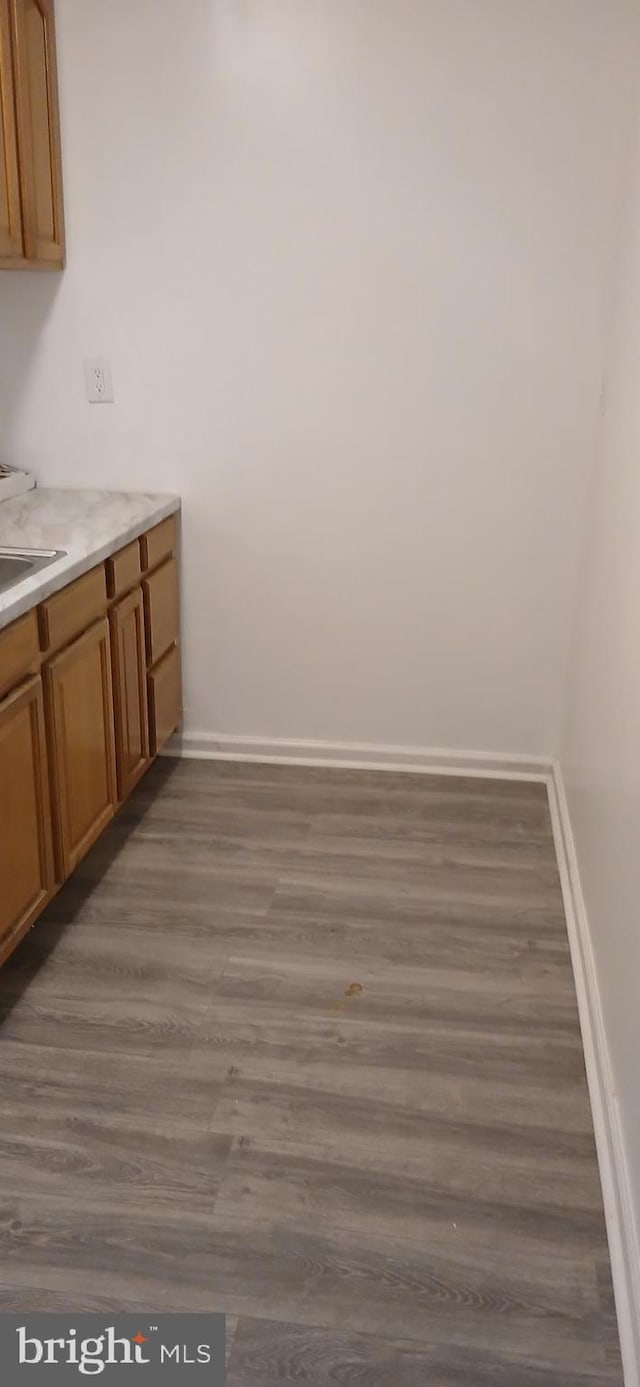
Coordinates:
(350, 260)
(601, 745)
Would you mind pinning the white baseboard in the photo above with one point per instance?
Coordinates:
(624, 1244)
(358, 756)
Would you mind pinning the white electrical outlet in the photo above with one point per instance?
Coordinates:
(99, 381)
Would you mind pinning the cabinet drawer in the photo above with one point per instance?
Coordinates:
(158, 543)
(70, 612)
(19, 652)
(161, 610)
(123, 570)
(165, 699)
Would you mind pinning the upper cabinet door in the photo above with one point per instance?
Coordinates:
(11, 247)
(36, 94)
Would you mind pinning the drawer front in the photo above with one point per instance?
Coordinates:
(161, 610)
(123, 570)
(165, 699)
(71, 611)
(19, 652)
(158, 543)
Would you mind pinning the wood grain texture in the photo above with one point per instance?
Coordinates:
(158, 543)
(123, 569)
(26, 847)
(11, 242)
(129, 675)
(79, 703)
(73, 609)
(165, 699)
(388, 1183)
(19, 652)
(271, 1353)
(161, 610)
(38, 123)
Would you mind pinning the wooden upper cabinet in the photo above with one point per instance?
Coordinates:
(79, 702)
(11, 245)
(38, 131)
(31, 224)
(26, 857)
(129, 690)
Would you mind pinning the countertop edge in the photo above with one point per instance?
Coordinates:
(50, 580)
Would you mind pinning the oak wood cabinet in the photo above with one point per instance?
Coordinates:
(26, 857)
(130, 690)
(82, 743)
(19, 652)
(165, 699)
(123, 569)
(31, 206)
(161, 609)
(90, 690)
(11, 243)
(161, 620)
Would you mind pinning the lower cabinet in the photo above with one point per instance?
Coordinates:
(90, 690)
(130, 690)
(161, 609)
(165, 699)
(82, 741)
(26, 857)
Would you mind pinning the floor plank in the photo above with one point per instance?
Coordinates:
(302, 1045)
(271, 1353)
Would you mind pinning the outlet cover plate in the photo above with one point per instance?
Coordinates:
(99, 381)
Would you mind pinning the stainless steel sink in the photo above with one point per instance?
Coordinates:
(18, 564)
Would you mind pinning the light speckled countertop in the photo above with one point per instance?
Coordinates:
(89, 525)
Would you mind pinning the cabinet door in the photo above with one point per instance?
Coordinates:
(80, 712)
(161, 606)
(26, 858)
(129, 690)
(10, 211)
(165, 699)
(38, 131)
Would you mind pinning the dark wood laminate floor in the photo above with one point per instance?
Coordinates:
(394, 1186)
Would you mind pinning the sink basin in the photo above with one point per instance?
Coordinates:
(17, 564)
